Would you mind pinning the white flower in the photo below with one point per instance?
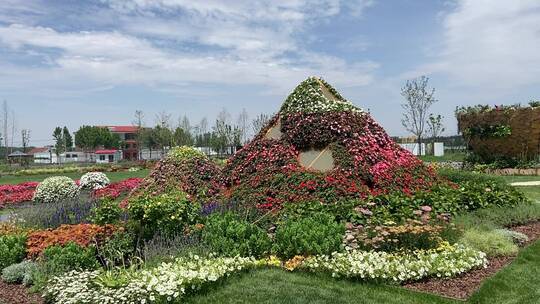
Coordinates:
(94, 180)
(55, 188)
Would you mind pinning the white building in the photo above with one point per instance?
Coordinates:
(45, 155)
(108, 156)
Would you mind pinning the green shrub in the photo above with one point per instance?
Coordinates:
(498, 217)
(117, 250)
(107, 212)
(19, 273)
(491, 242)
(517, 237)
(59, 259)
(460, 176)
(169, 212)
(342, 210)
(470, 196)
(228, 235)
(412, 236)
(12, 249)
(318, 233)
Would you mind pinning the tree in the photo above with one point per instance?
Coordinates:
(59, 144)
(260, 122)
(5, 117)
(435, 126)
(183, 135)
(418, 100)
(92, 137)
(220, 139)
(13, 130)
(68, 139)
(242, 125)
(25, 136)
(139, 123)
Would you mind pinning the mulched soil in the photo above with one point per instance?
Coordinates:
(464, 286)
(18, 294)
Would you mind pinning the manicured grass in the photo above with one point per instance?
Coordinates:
(533, 192)
(113, 176)
(279, 286)
(517, 283)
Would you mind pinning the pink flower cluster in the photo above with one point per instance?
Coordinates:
(14, 194)
(117, 189)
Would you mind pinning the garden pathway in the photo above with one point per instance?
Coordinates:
(530, 183)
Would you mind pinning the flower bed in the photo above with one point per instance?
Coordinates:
(163, 284)
(118, 189)
(172, 281)
(384, 266)
(14, 194)
(81, 234)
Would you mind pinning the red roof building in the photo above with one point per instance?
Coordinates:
(128, 134)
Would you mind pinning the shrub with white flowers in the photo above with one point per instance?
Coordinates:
(163, 284)
(398, 267)
(94, 181)
(56, 188)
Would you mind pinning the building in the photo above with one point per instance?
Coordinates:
(108, 156)
(44, 155)
(76, 157)
(128, 135)
(19, 157)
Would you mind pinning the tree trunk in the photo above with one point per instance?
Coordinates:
(419, 146)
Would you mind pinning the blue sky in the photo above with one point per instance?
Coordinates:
(97, 61)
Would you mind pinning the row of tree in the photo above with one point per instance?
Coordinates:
(223, 136)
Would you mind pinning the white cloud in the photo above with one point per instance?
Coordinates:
(106, 58)
(490, 44)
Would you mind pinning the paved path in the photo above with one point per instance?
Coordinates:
(531, 183)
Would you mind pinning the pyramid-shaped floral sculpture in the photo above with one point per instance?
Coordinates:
(320, 147)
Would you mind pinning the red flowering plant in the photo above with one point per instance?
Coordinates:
(118, 189)
(14, 194)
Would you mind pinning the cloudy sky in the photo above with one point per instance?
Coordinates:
(67, 62)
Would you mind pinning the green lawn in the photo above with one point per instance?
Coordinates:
(279, 286)
(113, 176)
(533, 192)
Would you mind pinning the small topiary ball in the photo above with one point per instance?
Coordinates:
(94, 181)
(54, 189)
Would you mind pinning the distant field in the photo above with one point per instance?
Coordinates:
(113, 176)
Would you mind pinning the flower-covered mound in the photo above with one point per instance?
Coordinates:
(172, 281)
(56, 188)
(267, 172)
(94, 180)
(185, 169)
